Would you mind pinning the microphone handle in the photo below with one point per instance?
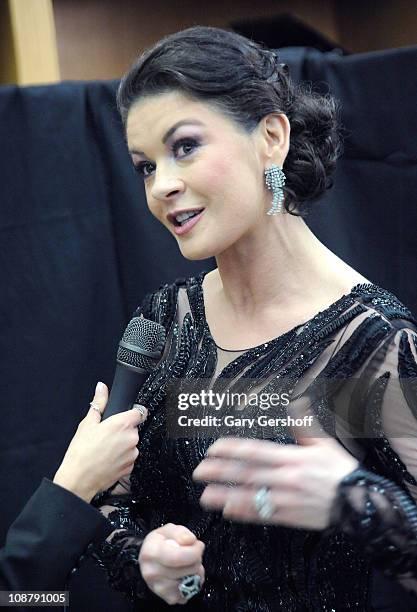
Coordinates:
(124, 390)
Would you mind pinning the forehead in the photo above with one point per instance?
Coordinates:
(150, 117)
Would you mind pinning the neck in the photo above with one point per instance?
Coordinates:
(279, 264)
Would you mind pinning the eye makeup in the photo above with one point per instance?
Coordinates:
(186, 142)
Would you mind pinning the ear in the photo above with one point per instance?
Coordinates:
(274, 138)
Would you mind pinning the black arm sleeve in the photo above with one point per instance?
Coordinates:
(118, 555)
(45, 541)
(378, 510)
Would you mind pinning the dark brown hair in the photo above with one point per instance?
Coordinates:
(246, 82)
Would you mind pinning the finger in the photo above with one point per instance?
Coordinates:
(200, 572)
(165, 590)
(136, 416)
(142, 411)
(98, 405)
(181, 556)
(216, 497)
(131, 418)
(195, 542)
(168, 589)
(223, 470)
(179, 533)
(175, 573)
(177, 595)
(240, 473)
(255, 451)
(239, 504)
(158, 550)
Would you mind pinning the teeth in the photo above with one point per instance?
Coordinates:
(183, 216)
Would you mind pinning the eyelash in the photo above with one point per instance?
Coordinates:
(139, 168)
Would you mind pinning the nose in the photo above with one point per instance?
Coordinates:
(166, 185)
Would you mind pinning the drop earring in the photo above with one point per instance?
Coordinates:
(275, 180)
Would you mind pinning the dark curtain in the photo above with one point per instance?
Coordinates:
(79, 248)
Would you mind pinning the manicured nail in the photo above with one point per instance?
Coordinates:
(100, 388)
(142, 409)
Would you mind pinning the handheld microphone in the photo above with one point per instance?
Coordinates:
(140, 351)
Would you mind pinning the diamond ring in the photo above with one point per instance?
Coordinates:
(263, 503)
(190, 586)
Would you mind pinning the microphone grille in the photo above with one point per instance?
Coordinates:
(143, 336)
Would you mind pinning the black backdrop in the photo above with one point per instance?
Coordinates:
(79, 250)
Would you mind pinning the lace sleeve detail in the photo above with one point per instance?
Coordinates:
(376, 504)
(118, 555)
(382, 518)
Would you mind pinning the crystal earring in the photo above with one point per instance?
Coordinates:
(275, 180)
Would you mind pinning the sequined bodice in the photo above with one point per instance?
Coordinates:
(367, 336)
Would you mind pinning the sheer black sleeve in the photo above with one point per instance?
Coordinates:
(376, 504)
(118, 555)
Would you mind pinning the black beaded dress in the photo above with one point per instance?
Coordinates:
(367, 558)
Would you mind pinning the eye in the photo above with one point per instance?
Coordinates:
(141, 168)
(185, 144)
(145, 168)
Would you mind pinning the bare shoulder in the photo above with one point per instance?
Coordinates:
(343, 275)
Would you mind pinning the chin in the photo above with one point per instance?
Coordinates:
(196, 254)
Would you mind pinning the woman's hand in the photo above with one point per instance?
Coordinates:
(168, 554)
(100, 453)
(301, 479)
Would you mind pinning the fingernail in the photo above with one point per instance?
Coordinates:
(142, 409)
(99, 388)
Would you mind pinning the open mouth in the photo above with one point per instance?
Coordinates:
(185, 217)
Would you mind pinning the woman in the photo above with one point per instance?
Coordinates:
(307, 519)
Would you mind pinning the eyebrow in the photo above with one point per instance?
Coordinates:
(171, 131)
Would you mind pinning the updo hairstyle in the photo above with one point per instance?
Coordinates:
(245, 81)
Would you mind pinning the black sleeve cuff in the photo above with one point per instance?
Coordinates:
(48, 537)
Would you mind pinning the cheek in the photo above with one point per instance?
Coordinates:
(222, 176)
(154, 207)
(212, 176)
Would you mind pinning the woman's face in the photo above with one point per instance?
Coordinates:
(191, 156)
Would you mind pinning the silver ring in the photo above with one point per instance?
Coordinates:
(139, 408)
(189, 586)
(95, 407)
(263, 503)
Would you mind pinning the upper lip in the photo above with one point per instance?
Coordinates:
(171, 216)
